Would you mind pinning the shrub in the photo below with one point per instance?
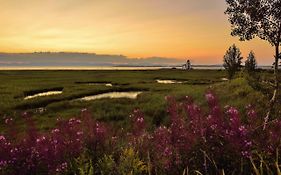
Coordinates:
(251, 63)
(232, 60)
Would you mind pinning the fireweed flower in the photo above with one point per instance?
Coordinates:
(55, 131)
(2, 138)
(79, 133)
(61, 168)
(211, 99)
(138, 123)
(84, 110)
(9, 120)
(238, 134)
(191, 130)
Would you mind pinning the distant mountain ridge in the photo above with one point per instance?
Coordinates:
(57, 59)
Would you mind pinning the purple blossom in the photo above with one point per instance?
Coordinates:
(193, 138)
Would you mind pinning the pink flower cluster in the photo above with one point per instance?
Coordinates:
(36, 152)
(195, 139)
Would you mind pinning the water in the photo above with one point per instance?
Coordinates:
(130, 95)
(169, 82)
(105, 68)
(108, 85)
(196, 67)
(104, 84)
(83, 68)
(43, 94)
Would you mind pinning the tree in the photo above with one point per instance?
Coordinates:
(251, 63)
(232, 60)
(258, 18)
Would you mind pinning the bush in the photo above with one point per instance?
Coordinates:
(232, 60)
(251, 63)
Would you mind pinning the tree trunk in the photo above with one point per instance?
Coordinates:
(276, 85)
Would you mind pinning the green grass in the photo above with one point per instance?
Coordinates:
(15, 85)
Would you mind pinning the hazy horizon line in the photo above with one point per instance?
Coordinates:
(117, 55)
(93, 53)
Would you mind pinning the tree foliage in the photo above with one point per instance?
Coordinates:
(258, 18)
(251, 63)
(232, 60)
(251, 18)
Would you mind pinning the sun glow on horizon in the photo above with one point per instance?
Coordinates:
(182, 29)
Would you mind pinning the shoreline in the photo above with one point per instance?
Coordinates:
(117, 68)
(110, 68)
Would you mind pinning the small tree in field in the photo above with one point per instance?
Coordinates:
(251, 63)
(232, 60)
(258, 18)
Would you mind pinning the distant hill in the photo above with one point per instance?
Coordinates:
(59, 59)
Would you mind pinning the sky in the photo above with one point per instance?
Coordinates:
(193, 29)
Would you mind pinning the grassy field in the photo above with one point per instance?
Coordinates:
(16, 85)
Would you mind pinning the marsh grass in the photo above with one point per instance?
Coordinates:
(238, 92)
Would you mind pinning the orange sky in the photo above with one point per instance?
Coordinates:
(195, 29)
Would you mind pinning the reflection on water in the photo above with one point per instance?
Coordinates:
(169, 82)
(43, 94)
(130, 95)
(105, 84)
(108, 85)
